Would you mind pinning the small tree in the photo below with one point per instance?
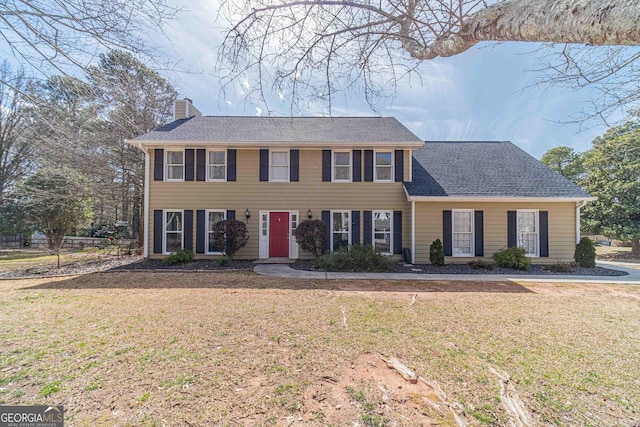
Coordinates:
(53, 201)
(230, 236)
(312, 236)
(436, 253)
(585, 254)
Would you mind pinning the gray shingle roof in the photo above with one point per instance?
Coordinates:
(283, 129)
(484, 169)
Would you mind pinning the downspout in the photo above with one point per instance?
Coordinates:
(579, 205)
(147, 162)
(413, 232)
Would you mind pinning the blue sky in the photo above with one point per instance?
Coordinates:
(485, 93)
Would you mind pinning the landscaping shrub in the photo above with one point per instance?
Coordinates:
(355, 258)
(182, 256)
(312, 236)
(478, 264)
(436, 253)
(512, 258)
(230, 235)
(585, 254)
(560, 267)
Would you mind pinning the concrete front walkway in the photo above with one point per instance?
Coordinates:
(283, 270)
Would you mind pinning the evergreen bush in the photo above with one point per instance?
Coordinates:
(585, 254)
(512, 258)
(436, 253)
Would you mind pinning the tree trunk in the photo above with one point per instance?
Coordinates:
(635, 246)
(592, 22)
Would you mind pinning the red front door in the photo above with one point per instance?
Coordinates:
(279, 234)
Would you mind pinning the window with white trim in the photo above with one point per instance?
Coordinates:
(174, 164)
(462, 230)
(383, 231)
(279, 166)
(528, 231)
(173, 231)
(340, 229)
(217, 165)
(213, 217)
(383, 166)
(341, 166)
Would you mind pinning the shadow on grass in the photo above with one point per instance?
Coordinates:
(250, 280)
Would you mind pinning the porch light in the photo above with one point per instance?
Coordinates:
(247, 214)
(309, 214)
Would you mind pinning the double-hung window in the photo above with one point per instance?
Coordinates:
(341, 166)
(217, 165)
(213, 217)
(173, 231)
(383, 167)
(528, 233)
(340, 229)
(382, 231)
(279, 167)
(462, 229)
(175, 165)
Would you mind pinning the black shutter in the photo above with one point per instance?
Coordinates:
(201, 164)
(326, 165)
(158, 164)
(264, 165)
(543, 216)
(201, 231)
(368, 165)
(355, 227)
(399, 166)
(479, 233)
(447, 233)
(357, 165)
(231, 214)
(397, 232)
(512, 229)
(157, 231)
(188, 230)
(294, 168)
(326, 219)
(189, 164)
(231, 165)
(367, 228)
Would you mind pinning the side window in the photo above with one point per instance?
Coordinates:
(462, 229)
(528, 235)
(382, 232)
(213, 217)
(173, 231)
(340, 230)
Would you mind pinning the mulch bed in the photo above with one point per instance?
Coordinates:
(197, 265)
(306, 265)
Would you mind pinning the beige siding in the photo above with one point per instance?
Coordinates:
(249, 193)
(562, 228)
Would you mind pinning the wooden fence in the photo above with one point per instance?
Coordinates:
(11, 241)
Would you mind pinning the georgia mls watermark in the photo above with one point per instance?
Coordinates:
(31, 416)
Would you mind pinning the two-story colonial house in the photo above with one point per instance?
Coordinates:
(369, 179)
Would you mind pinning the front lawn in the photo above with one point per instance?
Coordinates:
(136, 348)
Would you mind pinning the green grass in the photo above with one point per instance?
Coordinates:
(224, 348)
(38, 258)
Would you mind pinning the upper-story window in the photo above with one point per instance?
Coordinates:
(383, 167)
(341, 169)
(279, 166)
(175, 165)
(217, 165)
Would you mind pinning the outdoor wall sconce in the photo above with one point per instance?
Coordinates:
(309, 214)
(247, 214)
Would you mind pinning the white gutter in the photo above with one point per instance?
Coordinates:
(250, 145)
(147, 163)
(413, 232)
(579, 205)
(495, 199)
